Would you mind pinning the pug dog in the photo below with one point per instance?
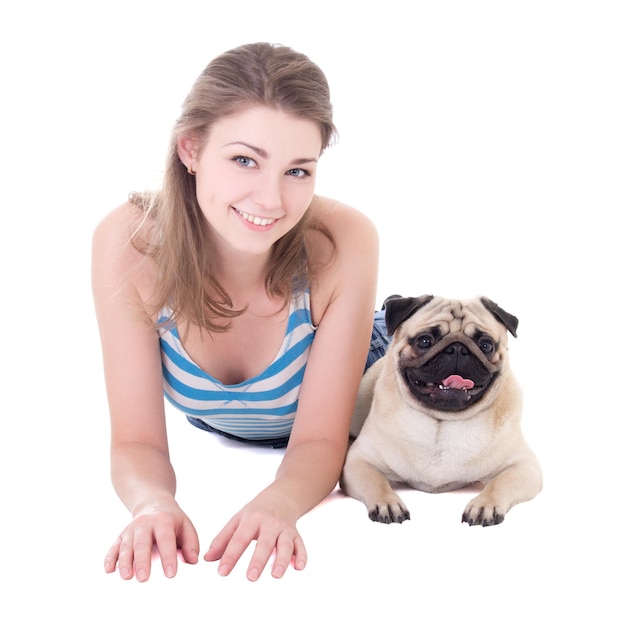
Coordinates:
(441, 411)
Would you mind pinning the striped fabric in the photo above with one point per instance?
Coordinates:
(261, 408)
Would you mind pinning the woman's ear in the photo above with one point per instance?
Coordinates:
(187, 152)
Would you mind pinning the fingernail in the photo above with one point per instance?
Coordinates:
(125, 572)
(169, 572)
(142, 575)
(223, 570)
(253, 573)
(278, 572)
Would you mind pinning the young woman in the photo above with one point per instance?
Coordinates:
(244, 298)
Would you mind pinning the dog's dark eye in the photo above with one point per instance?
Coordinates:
(486, 345)
(424, 341)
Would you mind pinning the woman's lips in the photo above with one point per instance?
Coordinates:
(255, 219)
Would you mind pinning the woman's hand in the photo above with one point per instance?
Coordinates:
(161, 526)
(272, 527)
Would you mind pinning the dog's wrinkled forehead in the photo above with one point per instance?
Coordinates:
(456, 317)
(468, 317)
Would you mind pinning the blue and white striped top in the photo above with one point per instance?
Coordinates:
(261, 408)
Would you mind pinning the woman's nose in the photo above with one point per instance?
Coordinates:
(267, 193)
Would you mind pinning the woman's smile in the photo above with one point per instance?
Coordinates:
(255, 220)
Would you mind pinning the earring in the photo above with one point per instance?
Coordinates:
(190, 170)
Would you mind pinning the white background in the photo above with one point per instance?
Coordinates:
(487, 142)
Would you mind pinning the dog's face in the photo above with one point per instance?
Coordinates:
(449, 354)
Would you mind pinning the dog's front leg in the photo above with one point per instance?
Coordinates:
(518, 483)
(362, 481)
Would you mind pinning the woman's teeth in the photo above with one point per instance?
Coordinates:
(255, 219)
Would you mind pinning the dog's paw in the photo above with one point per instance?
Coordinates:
(482, 515)
(389, 513)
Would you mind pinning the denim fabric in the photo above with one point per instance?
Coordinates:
(279, 442)
(380, 340)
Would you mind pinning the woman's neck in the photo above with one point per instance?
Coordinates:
(243, 277)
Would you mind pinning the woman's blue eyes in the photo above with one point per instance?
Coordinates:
(245, 161)
(296, 172)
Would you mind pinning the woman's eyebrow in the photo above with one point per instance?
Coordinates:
(264, 154)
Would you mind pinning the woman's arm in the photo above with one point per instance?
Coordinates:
(141, 471)
(343, 307)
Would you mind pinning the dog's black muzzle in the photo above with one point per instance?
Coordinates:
(453, 379)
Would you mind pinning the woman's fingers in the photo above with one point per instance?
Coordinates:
(301, 554)
(133, 551)
(272, 538)
(221, 541)
(141, 553)
(125, 557)
(188, 543)
(165, 541)
(265, 546)
(237, 545)
(285, 547)
(111, 558)
(288, 548)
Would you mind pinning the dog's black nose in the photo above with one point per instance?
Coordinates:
(457, 348)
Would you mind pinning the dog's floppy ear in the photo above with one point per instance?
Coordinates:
(510, 321)
(399, 309)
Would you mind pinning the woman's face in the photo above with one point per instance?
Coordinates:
(255, 176)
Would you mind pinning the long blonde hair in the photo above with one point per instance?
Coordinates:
(252, 74)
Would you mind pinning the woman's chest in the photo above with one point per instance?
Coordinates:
(243, 352)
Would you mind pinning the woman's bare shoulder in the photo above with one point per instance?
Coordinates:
(117, 247)
(350, 270)
(348, 226)
(118, 227)
(351, 229)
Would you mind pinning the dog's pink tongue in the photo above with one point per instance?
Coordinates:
(458, 382)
